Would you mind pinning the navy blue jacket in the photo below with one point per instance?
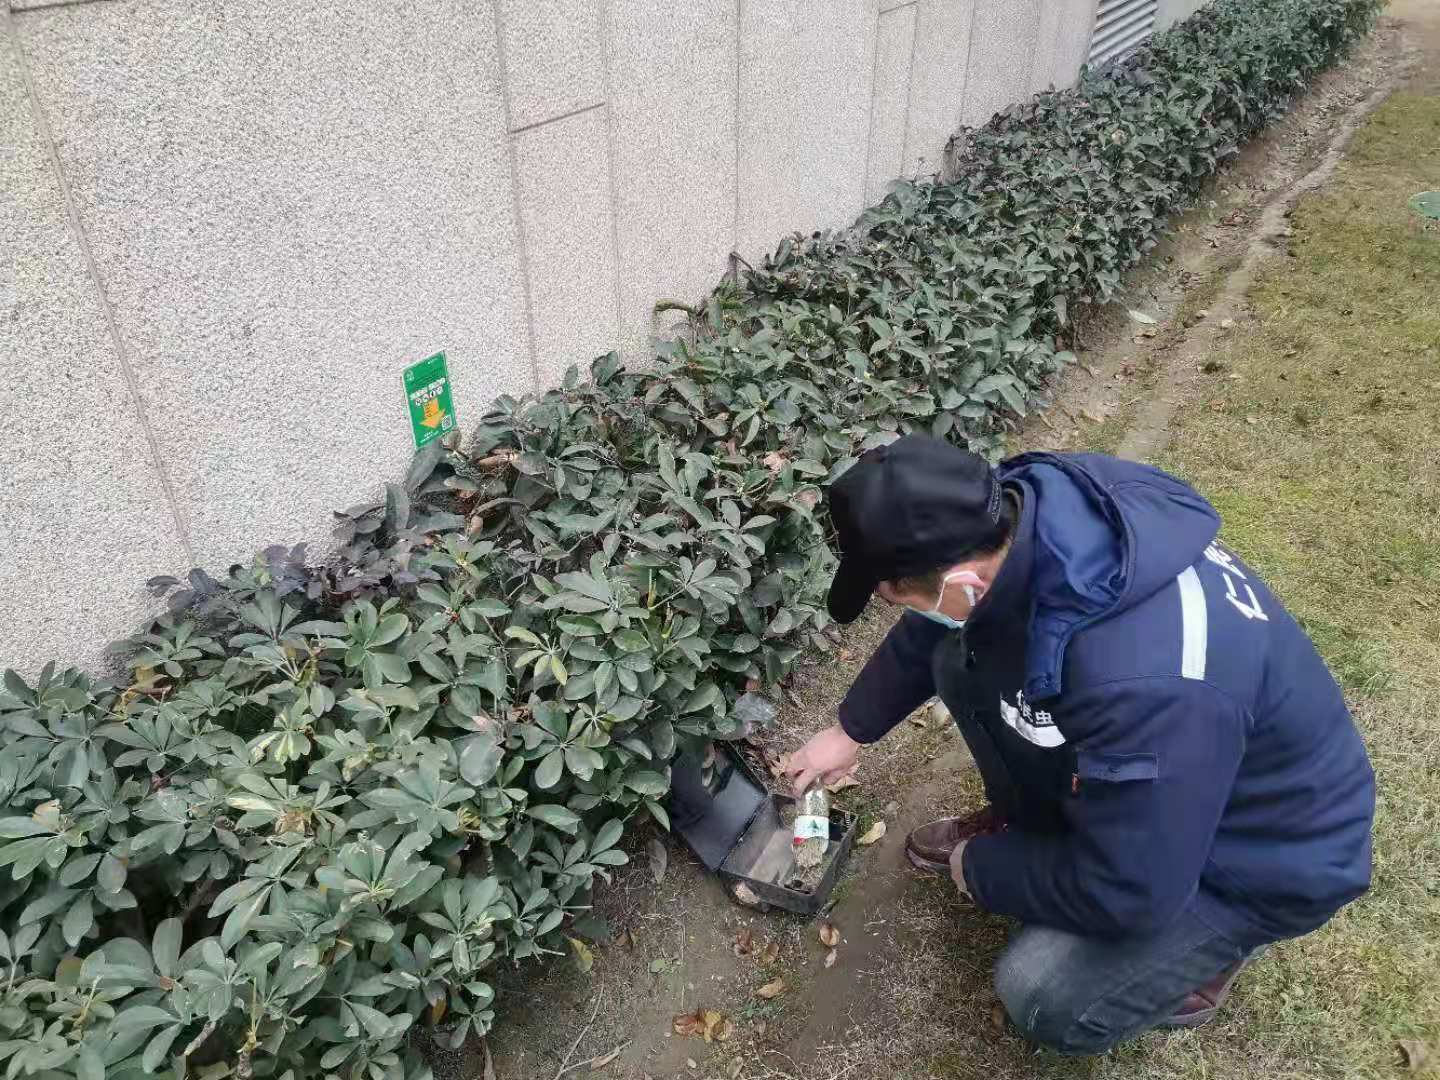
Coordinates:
(1176, 738)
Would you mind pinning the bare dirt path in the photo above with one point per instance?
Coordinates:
(1200, 339)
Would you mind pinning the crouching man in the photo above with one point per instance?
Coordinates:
(1173, 778)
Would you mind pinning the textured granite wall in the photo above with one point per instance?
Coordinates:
(226, 227)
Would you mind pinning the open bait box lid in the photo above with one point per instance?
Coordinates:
(739, 830)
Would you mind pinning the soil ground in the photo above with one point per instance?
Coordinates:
(1293, 374)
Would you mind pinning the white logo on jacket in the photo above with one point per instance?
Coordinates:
(1033, 726)
(1250, 608)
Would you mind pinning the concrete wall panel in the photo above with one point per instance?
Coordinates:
(554, 65)
(269, 208)
(286, 205)
(937, 81)
(563, 172)
(1061, 42)
(1172, 11)
(803, 164)
(673, 130)
(1002, 56)
(84, 516)
(890, 107)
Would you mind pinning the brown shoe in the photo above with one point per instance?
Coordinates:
(1202, 1004)
(929, 846)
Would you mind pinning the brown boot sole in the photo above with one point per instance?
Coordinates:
(1191, 1020)
(1201, 1017)
(930, 866)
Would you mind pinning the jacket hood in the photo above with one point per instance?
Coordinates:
(1099, 535)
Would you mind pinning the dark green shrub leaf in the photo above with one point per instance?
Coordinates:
(557, 817)
(550, 769)
(647, 782)
(479, 760)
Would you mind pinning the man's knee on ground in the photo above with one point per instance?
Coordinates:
(1036, 984)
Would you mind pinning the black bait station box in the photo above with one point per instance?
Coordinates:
(743, 833)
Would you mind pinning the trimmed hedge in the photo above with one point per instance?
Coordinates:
(330, 799)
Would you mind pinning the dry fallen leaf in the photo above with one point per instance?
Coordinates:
(600, 1062)
(707, 1024)
(736, 1067)
(659, 859)
(846, 781)
(829, 936)
(1414, 1054)
(744, 941)
(584, 958)
(997, 1016)
(745, 895)
(770, 954)
(831, 957)
(688, 1025)
(919, 719)
(872, 834)
(691, 1064)
(771, 990)
(488, 1072)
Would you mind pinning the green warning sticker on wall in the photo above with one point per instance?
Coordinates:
(427, 386)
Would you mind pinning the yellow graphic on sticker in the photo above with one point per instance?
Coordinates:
(434, 415)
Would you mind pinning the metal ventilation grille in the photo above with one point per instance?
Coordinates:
(1120, 25)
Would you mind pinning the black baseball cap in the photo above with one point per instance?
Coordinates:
(912, 506)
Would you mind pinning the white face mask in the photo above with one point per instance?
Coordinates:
(968, 581)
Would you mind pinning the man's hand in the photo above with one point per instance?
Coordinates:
(828, 756)
(957, 869)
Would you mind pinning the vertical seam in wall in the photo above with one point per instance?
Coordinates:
(870, 123)
(1038, 49)
(1089, 37)
(77, 231)
(969, 59)
(1039, 8)
(909, 94)
(603, 14)
(739, 52)
(521, 244)
(1057, 37)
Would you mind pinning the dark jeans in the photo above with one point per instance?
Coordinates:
(1080, 995)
